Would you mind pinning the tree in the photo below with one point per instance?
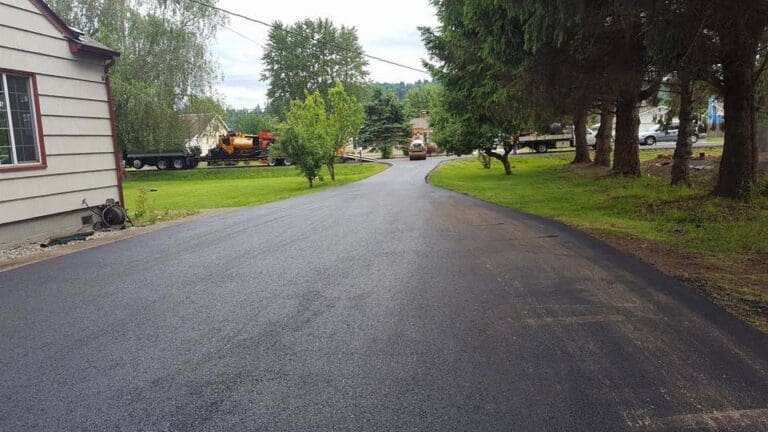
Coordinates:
(344, 121)
(420, 99)
(740, 28)
(250, 121)
(480, 50)
(165, 60)
(384, 124)
(604, 135)
(309, 56)
(304, 136)
(204, 105)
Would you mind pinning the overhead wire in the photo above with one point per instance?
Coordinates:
(273, 26)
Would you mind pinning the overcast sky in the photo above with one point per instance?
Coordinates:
(385, 28)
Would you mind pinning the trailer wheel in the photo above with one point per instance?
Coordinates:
(272, 162)
(178, 163)
(194, 164)
(541, 148)
(137, 164)
(287, 162)
(162, 164)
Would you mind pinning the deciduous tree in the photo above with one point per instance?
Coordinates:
(309, 56)
(344, 120)
(304, 136)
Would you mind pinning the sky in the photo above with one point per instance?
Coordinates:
(386, 29)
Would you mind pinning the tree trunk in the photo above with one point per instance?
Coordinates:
(503, 158)
(604, 135)
(626, 157)
(331, 169)
(580, 138)
(683, 147)
(311, 180)
(737, 166)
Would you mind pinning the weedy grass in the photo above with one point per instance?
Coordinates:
(721, 243)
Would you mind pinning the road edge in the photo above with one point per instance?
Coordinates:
(659, 280)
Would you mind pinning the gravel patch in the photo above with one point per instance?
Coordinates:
(27, 249)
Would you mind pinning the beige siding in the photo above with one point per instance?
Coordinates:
(65, 88)
(45, 65)
(29, 20)
(27, 209)
(56, 106)
(50, 185)
(22, 4)
(76, 126)
(76, 145)
(62, 164)
(75, 120)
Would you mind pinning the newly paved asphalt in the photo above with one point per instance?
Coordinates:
(384, 305)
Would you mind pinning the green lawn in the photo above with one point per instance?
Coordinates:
(731, 238)
(185, 192)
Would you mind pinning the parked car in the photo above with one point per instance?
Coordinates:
(417, 150)
(658, 134)
(591, 137)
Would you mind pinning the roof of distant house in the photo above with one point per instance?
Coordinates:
(195, 124)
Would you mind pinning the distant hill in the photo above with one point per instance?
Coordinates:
(399, 89)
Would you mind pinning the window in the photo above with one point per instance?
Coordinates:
(18, 131)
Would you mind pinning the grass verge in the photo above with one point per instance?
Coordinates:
(161, 195)
(719, 246)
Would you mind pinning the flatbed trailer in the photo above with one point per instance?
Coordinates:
(231, 149)
(543, 143)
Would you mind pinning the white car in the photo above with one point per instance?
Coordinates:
(657, 134)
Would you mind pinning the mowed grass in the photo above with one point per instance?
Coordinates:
(198, 189)
(721, 243)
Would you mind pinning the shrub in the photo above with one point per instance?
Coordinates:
(142, 203)
(431, 150)
(386, 151)
(484, 159)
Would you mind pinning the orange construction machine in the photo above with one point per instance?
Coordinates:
(235, 146)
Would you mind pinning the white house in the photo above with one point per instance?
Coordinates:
(203, 130)
(57, 142)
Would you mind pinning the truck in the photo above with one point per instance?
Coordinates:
(544, 142)
(230, 149)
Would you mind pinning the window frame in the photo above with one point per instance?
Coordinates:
(39, 136)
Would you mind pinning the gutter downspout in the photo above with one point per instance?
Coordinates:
(118, 158)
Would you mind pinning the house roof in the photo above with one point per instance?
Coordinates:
(78, 42)
(195, 124)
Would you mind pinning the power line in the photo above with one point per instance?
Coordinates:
(272, 26)
(246, 37)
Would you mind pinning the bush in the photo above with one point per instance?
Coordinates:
(386, 151)
(431, 150)
(405, 148)
(484, 159)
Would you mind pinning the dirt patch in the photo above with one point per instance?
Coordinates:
(739, 288)
(702, 166)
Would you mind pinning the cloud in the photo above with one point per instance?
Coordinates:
(386, 29)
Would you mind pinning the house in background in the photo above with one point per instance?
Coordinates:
(715, 114)
(203, 131)
(57, 143)
(420, 126)
(652, 115)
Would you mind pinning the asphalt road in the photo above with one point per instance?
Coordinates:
(386, 305)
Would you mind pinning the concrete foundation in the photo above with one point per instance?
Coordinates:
(39, 229)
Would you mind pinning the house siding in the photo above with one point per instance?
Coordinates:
(75, 114)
